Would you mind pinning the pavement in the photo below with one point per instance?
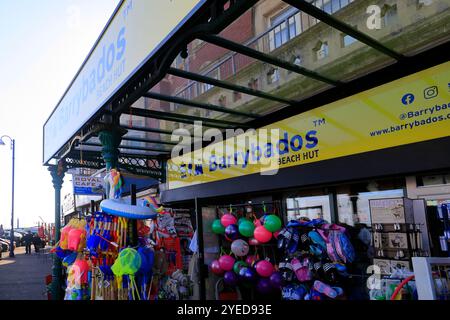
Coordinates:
(23, 277)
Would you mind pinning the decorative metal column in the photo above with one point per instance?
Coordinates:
(57, 173)
(111, 139)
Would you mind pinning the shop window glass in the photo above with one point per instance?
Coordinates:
(353, 200)
(311, 207)
(433, 180)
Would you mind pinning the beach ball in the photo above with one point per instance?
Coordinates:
(253, 242)
(228, 219)
(272, 223)
(246, 228)
(231, 232)
(251, 260)
(242, 220)
(264, 286)
(264, 268)
(230, 278)
(238, 265)
(262, 234)
(240, 248)
(217, 227)
(215, 268)
(276, 280)
(226, 262)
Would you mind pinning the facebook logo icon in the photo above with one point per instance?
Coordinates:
(408, 99)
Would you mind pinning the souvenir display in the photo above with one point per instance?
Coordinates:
(311, 259)
(103, 262)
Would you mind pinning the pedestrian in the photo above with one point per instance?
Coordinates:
(28, 239)
(37, 242)
(2, 232)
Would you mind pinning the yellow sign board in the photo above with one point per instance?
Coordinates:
(412, 109)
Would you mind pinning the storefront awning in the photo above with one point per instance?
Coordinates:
(251, 71)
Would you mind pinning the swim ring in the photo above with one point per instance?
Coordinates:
(124, 208)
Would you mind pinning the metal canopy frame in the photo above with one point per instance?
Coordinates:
(227, 85)
(200, 105)
(207, 26)
(181, 118)
(239, 48)
(330, 20)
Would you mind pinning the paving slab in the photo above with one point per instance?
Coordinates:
(23, 277)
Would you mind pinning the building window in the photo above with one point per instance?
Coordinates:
(204, 87)
(273, 75)
(284, 27)
(237, 96)
(321, 50)
(297, 60)
(331, 6)
(222, 100)
(389, 15)
(347, 40)
(253, 84)
(421, 3)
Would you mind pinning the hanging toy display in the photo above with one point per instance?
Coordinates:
(310, 258)
(104, 259)
(244, 236)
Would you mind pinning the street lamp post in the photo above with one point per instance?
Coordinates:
(11, 235)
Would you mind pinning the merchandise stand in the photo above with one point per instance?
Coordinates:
(259, 258)
(112, 257)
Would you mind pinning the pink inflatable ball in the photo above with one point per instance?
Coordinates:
(264, 268)
(226, 262)
(251, 260)
(253, 242)
(228, 219)
(215, 268)
(262, 234)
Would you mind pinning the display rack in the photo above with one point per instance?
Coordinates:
(396, 236)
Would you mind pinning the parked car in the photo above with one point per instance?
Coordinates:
(5, 244)
(17, 237)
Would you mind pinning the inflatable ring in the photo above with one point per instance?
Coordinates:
(123, 208)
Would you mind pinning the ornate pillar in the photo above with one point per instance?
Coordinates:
(110, 139)
(57, 173)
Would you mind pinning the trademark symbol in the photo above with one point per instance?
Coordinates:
(319, 122)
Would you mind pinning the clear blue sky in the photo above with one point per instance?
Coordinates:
(43, 43)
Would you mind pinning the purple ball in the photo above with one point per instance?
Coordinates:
(230, 278)
(276, 280)
(247, 274)
(232, 232)
(264, 286)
